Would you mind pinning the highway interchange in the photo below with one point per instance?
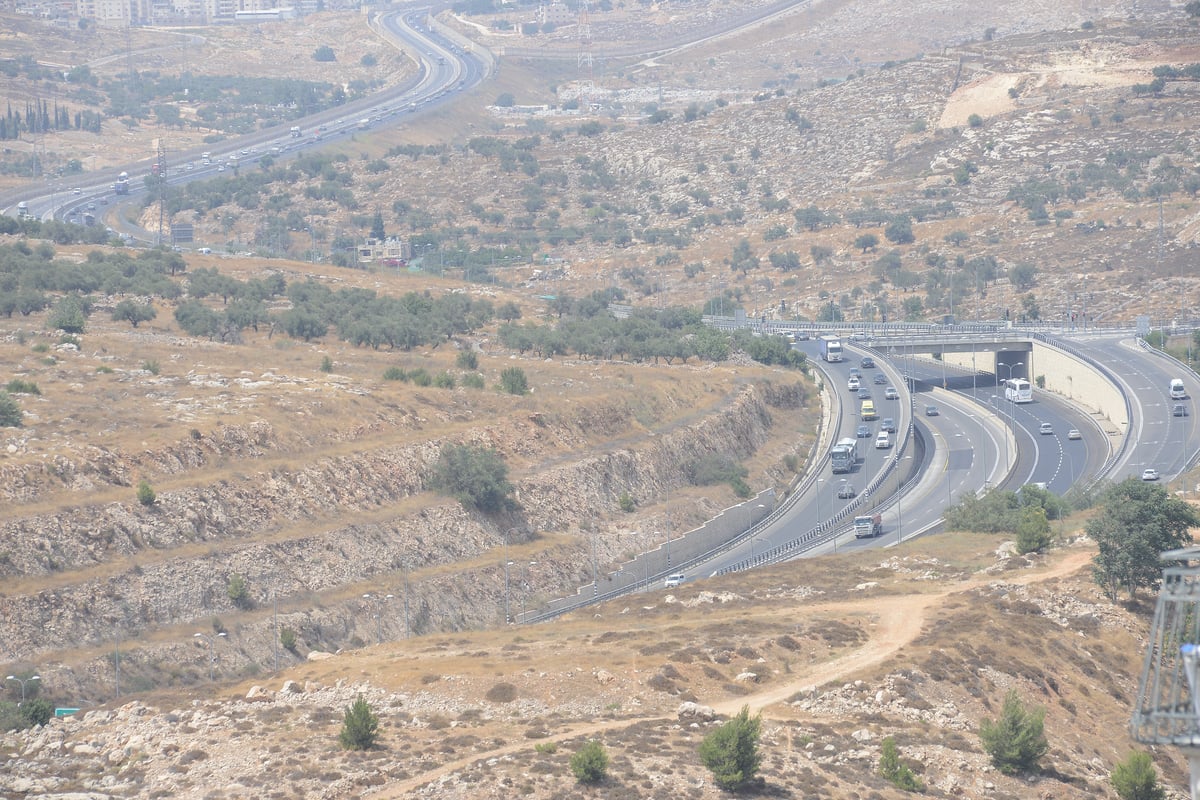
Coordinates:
(977, 440)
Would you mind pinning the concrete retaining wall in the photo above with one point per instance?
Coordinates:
(1067, 376)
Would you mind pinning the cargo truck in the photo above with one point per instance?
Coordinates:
(844, 456)
(868, 527)
(831, 348)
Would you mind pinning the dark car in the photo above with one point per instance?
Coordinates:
(931, 411)
(845, 491)
(1179, 410)
(888, 425)
(863, 431)
(867, 363)
(864, 393)
(880, 379)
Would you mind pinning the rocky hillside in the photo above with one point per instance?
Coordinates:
(920, 645)
(310, 489)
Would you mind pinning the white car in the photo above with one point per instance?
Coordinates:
(1074, 434)
(1046, 429)
(883, 441)
(1150, 474)
(890, 393)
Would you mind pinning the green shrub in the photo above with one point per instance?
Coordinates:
(150, 366)
(238, 591)
(475, 476)
(395, 374)
(1016, 741)
(420, 377)
(467, 359)
(549, 748)
(444, 380)
(590, 763)
(513, 381)
(17, 386)
(731, 751)
(326, 364)
(37, 712)
(896, 771)
(473, 381)
(10, 412)
(145, 493)
(628, 505)
(1136, 779)
(502, 693)
(360, 728)
(41, 347)
(104, 369)
(287, 638)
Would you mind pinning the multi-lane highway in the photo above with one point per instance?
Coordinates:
(444, 68)
(966, 437)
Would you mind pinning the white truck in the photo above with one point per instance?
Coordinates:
(1178, 390)
(868, 527)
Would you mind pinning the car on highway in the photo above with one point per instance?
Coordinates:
(931, 411)
(1046, 429)
(883, 441)
(863, 431)
(1074, 434)
(890, 393)
(864, 393)
(867, 363)
(888, 425)
(1150, 474)
(880, 379)
(845, 491)
(853, 384)
(77, 190)
(1179, 410)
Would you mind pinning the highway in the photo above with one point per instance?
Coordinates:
(444, 69)
(976, 440)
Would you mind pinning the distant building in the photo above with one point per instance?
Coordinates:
(555, 13)
(391, 252)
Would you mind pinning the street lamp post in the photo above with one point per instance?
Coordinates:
(525, 587)
(379, 614)
(1011, 403)
(406, 599)
(23, 681)
(212, 656)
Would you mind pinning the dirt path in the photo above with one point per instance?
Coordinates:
(896, 625)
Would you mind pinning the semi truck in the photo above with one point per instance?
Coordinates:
(844, 456)
(831, 348)
(122, 184)
(868, 527)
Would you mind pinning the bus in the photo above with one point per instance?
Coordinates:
(844, 456)
(1018, 390)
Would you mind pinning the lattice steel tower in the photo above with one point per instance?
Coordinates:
(584, 61)
(1168, 701)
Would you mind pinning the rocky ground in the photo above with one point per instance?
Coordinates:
(833, 670)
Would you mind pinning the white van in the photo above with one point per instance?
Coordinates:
(674, 580)
(883, 441)
(1177, 390)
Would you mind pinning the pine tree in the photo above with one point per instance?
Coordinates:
(1016, 741)
(731, 751)
(360, 728)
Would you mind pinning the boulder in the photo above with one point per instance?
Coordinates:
(690, 710)
(291, 687)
